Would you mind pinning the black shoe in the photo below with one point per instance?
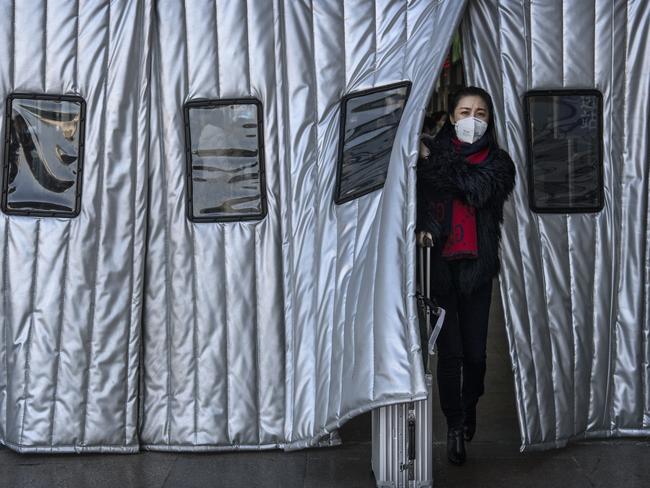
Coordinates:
(455, 446)
(469, 424)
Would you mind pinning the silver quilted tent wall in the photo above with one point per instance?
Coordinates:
(271, 333)
(575, 287)
(130, 326)
(72, 287)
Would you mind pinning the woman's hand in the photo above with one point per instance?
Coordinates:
(424, 239)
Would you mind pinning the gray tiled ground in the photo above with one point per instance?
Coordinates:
(493, 457)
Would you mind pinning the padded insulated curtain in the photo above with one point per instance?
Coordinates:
(271, 333)
(575, 287)
(255, 334)
(72, 288)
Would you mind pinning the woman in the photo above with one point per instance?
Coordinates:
(462, 186)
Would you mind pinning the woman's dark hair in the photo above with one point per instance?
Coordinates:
(474, 91)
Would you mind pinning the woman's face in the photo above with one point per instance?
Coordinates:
(471, 106)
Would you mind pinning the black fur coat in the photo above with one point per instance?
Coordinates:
(485, 186)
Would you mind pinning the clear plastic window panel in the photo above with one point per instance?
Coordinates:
(565, 152)
(370, 124)
(225, 161)
(43, 156)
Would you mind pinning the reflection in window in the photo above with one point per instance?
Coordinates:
(369, 123)
(564, 150)
(43, 155)
(225, 160)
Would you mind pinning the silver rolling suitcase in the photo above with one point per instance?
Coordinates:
(402, 434)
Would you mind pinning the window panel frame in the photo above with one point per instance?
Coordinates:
(529, 150)
(73, 98)
(338, 199)
(204, 103)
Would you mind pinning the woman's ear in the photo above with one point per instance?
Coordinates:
(452, 120)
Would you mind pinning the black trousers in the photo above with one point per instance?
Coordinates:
(461, 350)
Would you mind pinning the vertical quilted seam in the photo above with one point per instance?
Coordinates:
(6, 341)
(597, 221)
(28, 344)
(216, 49)
(222, 229)
(315, 172)
(343, 300)
(12, 75)
(405, 271)
(248, 49)
(258, 385)
(290, 328)
(195, 347)
(45, 46)
(195, 379)
(57, 358)
(228, 322)
(373, 350)
(374, 23)
(572, 300)
(336, 256)
(613, 349)
(166, 263)
(77, 85)
(405, 40)
(282, 345)
(129, 325)
(345, 49)
(227, 372)
(645, 306)
(254, 228)
(567, 221)
(195, 356)
(282, 350)
(280, 42)
(607, 409)
(592, 359)
(100, 182)
(376, 243)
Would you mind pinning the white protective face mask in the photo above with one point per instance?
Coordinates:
(470, 129)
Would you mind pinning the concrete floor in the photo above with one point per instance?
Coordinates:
(493, 457)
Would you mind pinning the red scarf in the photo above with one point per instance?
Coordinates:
(462, 242)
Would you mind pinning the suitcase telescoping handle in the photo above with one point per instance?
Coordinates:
(425, 282)
(431, 306)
